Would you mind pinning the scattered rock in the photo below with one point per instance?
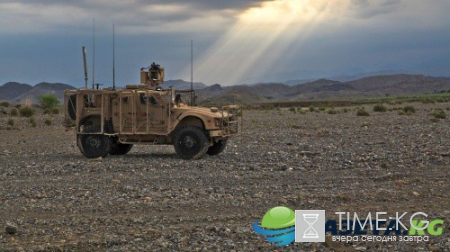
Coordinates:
(150, 200)
(10, 229)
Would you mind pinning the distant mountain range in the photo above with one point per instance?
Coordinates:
(373, 86)
(23, 93)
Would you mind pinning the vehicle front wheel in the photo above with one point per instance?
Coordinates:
(190, 142)
(94, 145)
(217, 148)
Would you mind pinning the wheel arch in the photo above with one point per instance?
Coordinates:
(95, 119)
(191, 120)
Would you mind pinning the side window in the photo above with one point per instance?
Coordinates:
(152, 100)
(144, 99)
(88, 101)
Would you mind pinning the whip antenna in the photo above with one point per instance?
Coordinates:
(85, 68)
(93, 53)
(192, 73)
(114, 61)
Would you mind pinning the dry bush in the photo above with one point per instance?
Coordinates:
(11, 122)
(380, 108)
(439, 114)
(14, 112)
(26, 111)
(409, 109)
(362, 112)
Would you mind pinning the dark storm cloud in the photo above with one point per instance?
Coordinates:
(134, 15)
(216, 4)
(204, 4)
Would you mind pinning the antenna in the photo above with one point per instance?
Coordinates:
(93, 53)
(192, 73)
(114, 61)
(85, 68)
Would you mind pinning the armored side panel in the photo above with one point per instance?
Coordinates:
(141, 112)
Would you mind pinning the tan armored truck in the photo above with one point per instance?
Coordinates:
(111, 121)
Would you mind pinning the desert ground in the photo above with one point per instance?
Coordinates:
(54, 199)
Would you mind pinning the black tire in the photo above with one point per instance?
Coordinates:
(217, 148)
(94, 146)
(72, 107)
(190, 142)
(120, 149)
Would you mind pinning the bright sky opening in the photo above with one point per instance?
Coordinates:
(235, 42)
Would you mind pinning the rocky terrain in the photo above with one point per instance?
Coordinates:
(54, 199)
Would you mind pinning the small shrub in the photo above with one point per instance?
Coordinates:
(391, 102)
(322, 108)
(14, 112)
(311, 108)
(439, 114)
(55, 111)
(292, 110)
(332, 111)
(33, 122)
(4, 104)
(427, 101)
(48, 122)
(409, 109)
(11, 122)
(380, 108)
(401, 112)
(345, 110)
(362, 112)
(26, 111)
(48, 102)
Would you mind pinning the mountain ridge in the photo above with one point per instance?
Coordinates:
(371, 86)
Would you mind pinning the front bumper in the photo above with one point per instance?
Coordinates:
(230, 122)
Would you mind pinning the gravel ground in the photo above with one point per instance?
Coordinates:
(54, 199)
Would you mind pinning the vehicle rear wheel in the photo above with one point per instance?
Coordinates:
(217, 148)
(190, 142)
(120, 148)
(94, 145)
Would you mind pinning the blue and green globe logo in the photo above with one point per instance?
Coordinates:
(278, 226)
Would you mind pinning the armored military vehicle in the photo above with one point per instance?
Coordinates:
(111, 121)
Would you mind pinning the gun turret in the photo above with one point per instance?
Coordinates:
(152, 75)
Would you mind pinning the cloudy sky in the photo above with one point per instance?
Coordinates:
(235, 41)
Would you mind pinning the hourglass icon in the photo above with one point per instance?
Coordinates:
(310, 232)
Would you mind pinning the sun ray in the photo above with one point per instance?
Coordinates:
(260, 38)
